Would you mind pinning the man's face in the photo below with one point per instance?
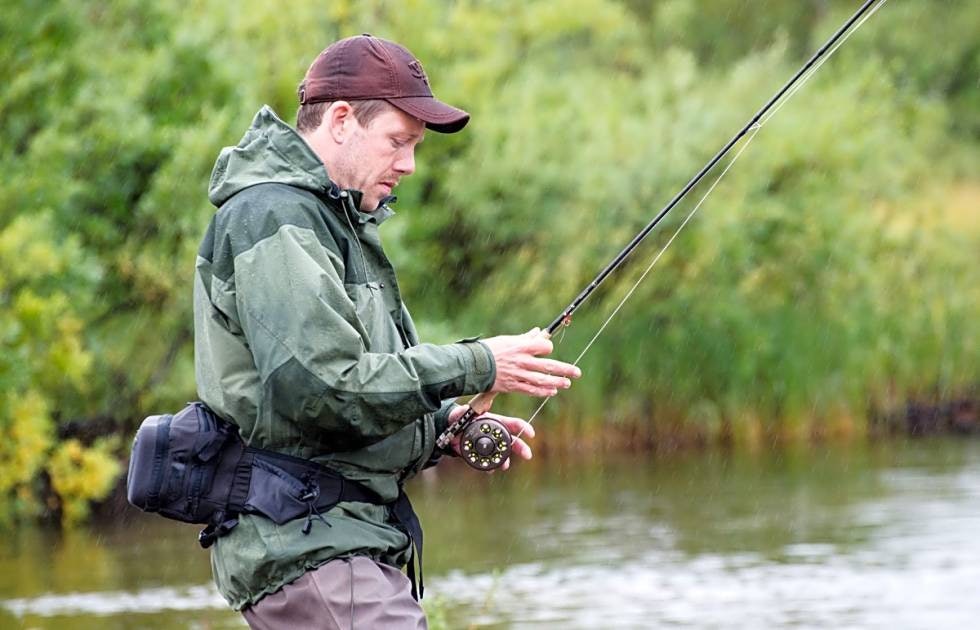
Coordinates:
(374, 157)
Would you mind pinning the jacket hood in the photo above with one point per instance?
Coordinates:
(270, 152)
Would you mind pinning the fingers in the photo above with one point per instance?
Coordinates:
(536, 344)
(521, 448)
(457, 413)
(514, 425)
(551, 366)
(529, 387)
(540, 382)
(519, 368)
(541, 379)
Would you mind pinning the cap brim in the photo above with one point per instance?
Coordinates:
(436, 115)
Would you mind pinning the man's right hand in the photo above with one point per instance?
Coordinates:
(520, 370)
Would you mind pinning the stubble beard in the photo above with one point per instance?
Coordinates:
(347, 174)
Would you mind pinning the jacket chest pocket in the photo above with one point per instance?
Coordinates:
(369, 304)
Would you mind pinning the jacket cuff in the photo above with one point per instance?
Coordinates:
(441, 417)
(481, 369)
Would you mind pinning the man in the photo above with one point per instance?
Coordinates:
(302, 340)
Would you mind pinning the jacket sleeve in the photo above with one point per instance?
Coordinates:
(310, 350)
(442, 423)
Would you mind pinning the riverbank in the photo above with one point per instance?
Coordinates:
(627, 437)
(630, 434)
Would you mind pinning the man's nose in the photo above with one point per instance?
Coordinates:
(405, 163)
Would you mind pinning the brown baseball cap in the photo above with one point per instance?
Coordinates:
(367, 67)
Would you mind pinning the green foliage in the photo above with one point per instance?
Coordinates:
(42, 354)
(98, 226)
(790, 295)
(81, 474)
(826, 274)
(25, 437)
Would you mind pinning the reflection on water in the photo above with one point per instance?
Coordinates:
(918, 569)
(863, 538)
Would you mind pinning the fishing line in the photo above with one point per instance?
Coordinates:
(809, 73)
(754, 131)
(485, 445)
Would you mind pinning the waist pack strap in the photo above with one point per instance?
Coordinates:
(216, 529)
(241, 482)
(333, 487)
(327, 488)
(281, 487)
(405, 514)
(159, 463)
(237, 468)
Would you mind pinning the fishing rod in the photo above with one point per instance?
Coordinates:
(485, 444)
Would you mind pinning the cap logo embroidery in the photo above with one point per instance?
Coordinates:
(416, 67)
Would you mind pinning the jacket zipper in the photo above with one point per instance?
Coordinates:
(348, 208)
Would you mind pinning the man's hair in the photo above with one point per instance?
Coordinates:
(310, 115)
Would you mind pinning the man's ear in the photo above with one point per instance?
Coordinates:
(338, 119)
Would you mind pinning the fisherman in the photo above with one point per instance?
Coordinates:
(302, 340)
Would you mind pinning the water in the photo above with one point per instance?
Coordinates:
(879, 537)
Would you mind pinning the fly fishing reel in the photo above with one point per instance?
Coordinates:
(484, 443)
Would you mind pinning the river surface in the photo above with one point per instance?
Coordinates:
(884, 536)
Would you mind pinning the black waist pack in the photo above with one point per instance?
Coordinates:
(188, 466)
(193, 466)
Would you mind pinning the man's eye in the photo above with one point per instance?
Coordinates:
(397, 143)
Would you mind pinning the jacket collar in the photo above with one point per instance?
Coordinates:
(348, 201)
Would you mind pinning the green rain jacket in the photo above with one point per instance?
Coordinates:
(302, 340)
